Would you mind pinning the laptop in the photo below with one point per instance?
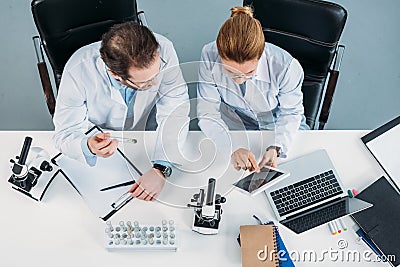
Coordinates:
(312, 195)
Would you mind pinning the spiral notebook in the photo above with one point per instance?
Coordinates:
(259, 247)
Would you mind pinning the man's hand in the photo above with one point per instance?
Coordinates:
(149, 185)
(269, 158)
(244, 159)
(101, 145)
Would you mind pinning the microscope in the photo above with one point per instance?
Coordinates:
(31, 176)
(207, 210)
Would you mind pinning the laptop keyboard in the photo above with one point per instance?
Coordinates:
(306, 192)
(316, 218)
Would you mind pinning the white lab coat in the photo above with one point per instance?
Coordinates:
(273, 97)
(86, 98)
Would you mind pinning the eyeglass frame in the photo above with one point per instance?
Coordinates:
(239, 76)
(163, 64)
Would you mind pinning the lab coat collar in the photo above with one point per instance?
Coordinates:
(217, 67)
(113, 84)
(261, 74)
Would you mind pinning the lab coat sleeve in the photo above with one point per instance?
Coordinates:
(290, 98)
(208, 105)
(70, 118)
(173, 105)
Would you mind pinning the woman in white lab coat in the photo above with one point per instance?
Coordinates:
(246, 83)
(115, 84)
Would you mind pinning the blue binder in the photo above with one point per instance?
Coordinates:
(284, 260)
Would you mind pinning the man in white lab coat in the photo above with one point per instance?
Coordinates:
(115, 84)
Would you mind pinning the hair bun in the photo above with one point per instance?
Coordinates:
(238, 10)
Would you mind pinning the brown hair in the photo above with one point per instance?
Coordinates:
(128, 45)
(241, 37)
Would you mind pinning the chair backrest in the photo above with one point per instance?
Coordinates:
(66, 25)
(310, 31)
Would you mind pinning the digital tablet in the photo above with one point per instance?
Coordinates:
(255, 183)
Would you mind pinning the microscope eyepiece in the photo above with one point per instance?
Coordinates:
(25, 150)
(210, 192)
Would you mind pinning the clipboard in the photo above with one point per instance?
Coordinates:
(384, 145)
(105, 186)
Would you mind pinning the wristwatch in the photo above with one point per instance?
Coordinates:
(277, 148)
(166, 171)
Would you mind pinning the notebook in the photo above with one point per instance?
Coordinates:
(381, 222)
(259, 246)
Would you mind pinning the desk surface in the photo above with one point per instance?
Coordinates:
(62, 231)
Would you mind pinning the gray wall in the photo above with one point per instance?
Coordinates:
(367, 93)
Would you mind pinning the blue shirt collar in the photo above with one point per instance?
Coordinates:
(114, 83)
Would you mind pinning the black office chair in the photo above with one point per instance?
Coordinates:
(310, 31)
(64, 26)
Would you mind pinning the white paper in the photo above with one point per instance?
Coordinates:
(386, 148)
(89, 180)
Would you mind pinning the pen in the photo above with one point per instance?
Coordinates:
(117, 185)
(343, 225)
(125, 139)
(368, 241)
(334, 228)
(331, 228)
(337, 226)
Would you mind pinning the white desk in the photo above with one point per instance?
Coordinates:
(61, 230)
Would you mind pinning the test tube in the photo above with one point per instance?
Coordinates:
(110, 225)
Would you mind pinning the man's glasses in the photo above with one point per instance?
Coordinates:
(149, 83)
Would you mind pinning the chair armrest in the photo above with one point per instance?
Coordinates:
(330, 90)
(44, 76)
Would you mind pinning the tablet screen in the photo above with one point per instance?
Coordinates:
(255, 180)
